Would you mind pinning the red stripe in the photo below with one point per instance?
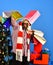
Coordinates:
(28, 36)
(28, 46)
(19, 46)
(20, 34)
(30, 14)
(20, 23)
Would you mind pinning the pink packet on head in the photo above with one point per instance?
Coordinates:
(32, 16)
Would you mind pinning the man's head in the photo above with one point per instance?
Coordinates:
(25, 24)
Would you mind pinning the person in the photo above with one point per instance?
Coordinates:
(23, 40)
(22, 36)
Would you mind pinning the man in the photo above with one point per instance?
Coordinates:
(21, 40)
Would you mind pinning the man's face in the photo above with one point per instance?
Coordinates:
(25, 24)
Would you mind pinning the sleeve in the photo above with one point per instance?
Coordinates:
(14, 38)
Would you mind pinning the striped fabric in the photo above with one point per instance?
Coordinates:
(22, 44)
(32, 16)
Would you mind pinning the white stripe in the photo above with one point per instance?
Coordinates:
(20, 40)
(19, 54)
(20, 28)
(28, 56)
(28, 40)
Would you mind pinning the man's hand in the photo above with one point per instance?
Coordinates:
(30, 32)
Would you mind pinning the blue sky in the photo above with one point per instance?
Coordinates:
(44, 22)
